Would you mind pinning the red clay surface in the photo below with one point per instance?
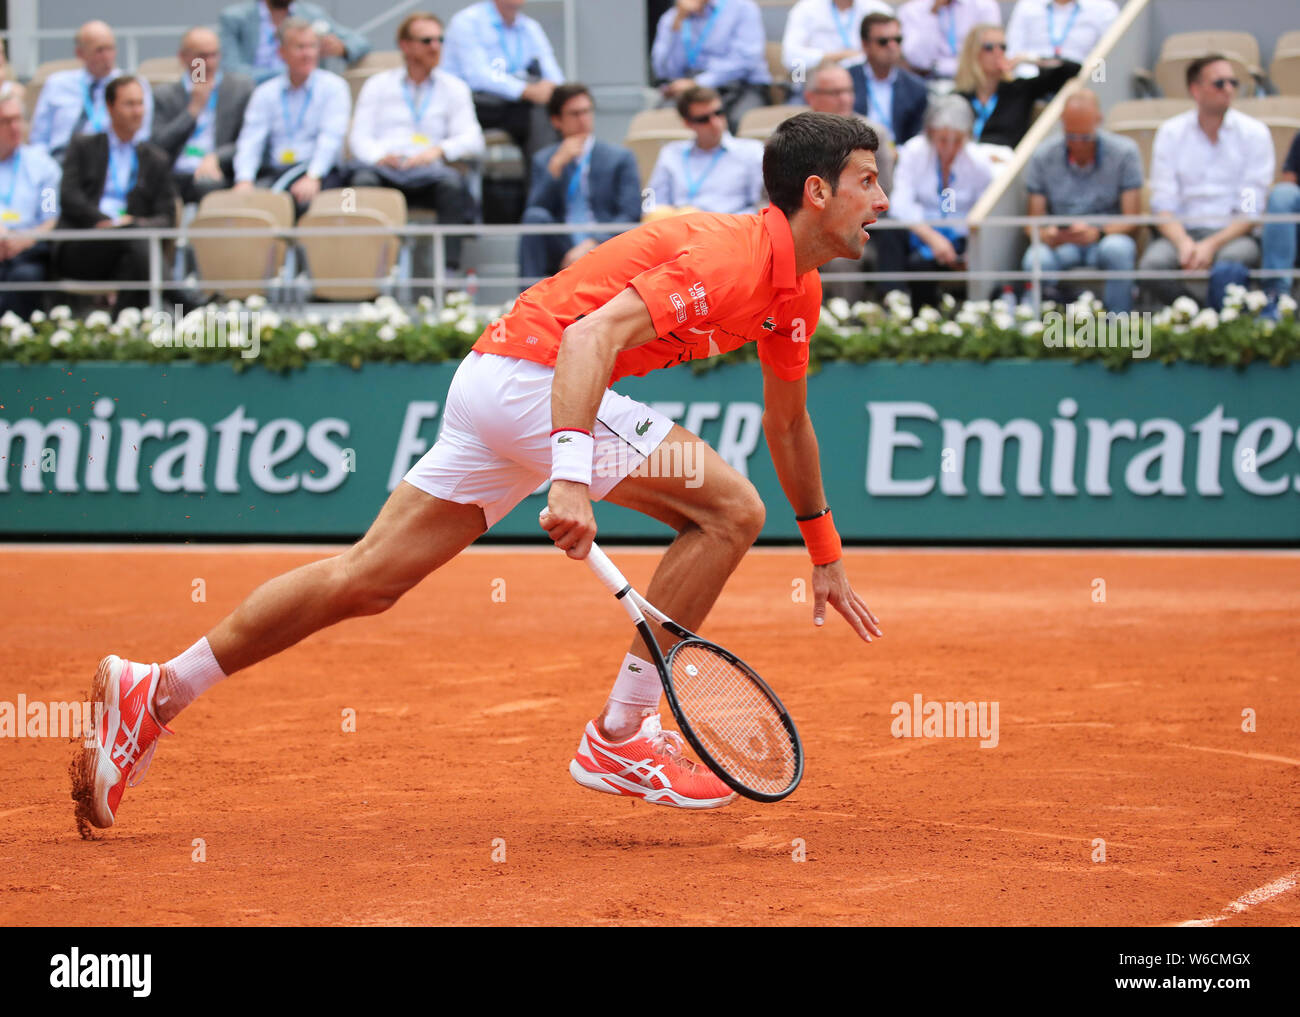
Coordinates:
(1118, 720)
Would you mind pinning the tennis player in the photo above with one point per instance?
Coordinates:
(532, 401)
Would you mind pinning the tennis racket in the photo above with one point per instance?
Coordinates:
(730, 716)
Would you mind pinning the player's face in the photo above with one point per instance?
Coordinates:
(858, 201)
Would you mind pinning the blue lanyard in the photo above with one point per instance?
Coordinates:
(116, 175)
(408, 90)
(208, 110)
(302, 110)
(693, 185)
(1051, 25)
(8, 200)
(983, 110)
(950, 28)
(514, 63)
(575, 181)
(92, 112)
(843, 24)
(886, 116)
(690, 44)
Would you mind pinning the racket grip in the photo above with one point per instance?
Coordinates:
(606, 571)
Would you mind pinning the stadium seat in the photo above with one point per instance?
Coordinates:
(1284, 71)
(1182, 48)
(159, 70)
(368, 66)
(1140, 118)
(363, 256)
(277, 204)
(760, 123)
(38, 81)
(1282, 115)
(782, 85)
(648, 132)
(220, 258)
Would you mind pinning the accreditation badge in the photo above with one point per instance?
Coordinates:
(421, 139)
(9, 215)
(288, 157)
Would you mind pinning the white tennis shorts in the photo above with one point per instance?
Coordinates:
(494, 449)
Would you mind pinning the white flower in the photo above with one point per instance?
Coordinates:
(467, 324)
(1228, 314)
(948, 301)
(1163, 317)
(256, 302)
(385, 303)
(1286, 304)
(61, 312)
(398, 318)
(458, 298)
(116, 330)
(865, 309)
(919, 324)
(1031, 328)
(839, 307)
(368, 312)
(313, 319)
(10, 320)
(1001, 319)
(129, 317)
(37, 317)
(968, 317)
(1256, 301)
(894, 297)
(387, 334)
(234, 306)
(930, 314)
(270, 320)
(980, 306)
(447, 315)
(1208, 318)
(1185, 306)
(335, 326)
(305, 341)
(1025, 311)
(1086, 298)
(99, 319)
(20, 333)
(425, 303)
(950, 328)
(61, 338)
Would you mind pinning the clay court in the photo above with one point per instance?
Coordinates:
(1119, 720)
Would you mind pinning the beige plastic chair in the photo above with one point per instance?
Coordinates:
(782, 85)
(1182, 48)
(159, 70)
(648, 132)
(1284, 71)
(352, 257)
(277, 204)
(1139, 119)
(761, 122)
(387, 201)
(1281, 113)
(258, 257)
(38, 81)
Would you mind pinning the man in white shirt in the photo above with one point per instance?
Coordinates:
(1213, 165)
(29, 206)
(820, 30)
(295, 123)
(934, 30)
(713, 173)
(1057, 30)
(412, 122)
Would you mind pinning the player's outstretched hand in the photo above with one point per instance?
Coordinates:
(568, 519)
(831, 585)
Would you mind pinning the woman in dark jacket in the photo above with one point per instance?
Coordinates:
(1004, 105)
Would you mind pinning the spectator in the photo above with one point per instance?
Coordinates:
(1057, 29)
(578, 180)
(1212, 164)
(250, 37)
(507, 61)
(713, 173)
(1003, 105)
(1279, 239)
(884, 90)
(821, 30)
(197, 119)
(831, 91)
(7, 75)
(72, 102)
(411, 123)
(29, 192)
(294, 126)
(718, 44)
(111, 181)
(939, 176)
(933, 31)
(1086, 171)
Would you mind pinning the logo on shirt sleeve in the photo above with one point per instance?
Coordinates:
(679, 305)
(697, 294)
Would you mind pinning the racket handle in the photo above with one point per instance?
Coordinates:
(606, 571)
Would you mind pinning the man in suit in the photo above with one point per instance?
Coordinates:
(251, 44)
(29, 188)
(112, 182)
(884, 90)
(197, 119)
(578, 180)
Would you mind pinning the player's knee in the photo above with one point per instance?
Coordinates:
(366, 587)
(740, 515)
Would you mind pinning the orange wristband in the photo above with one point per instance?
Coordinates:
(822, 540)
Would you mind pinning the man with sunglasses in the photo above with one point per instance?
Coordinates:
(713, 173)
(250, 37)
(1211, 166)
(933, 32)
(411, 123)
(883, 89)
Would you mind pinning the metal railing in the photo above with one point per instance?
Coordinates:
(442, 280)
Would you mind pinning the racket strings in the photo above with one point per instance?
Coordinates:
(734, 720)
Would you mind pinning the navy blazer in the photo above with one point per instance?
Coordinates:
(613, 178)
(910, 99)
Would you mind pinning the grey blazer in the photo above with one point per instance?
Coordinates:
(173, 124)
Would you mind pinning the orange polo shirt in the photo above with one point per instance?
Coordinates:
(712, 283)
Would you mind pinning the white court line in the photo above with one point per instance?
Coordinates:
(1245, 755)
(1279, 886)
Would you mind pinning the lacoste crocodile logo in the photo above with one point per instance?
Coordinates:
(642, 427)
(634, 667)
(770, 324)
(562, 439)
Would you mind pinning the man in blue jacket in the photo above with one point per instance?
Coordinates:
(884, 90)
(578, 180)
(249, 42)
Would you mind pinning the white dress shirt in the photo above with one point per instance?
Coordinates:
(727, 179)
(918, 192)
(1190, 176)
(394, 115)
(1047, 29)
(817, 27)
(304, 124)
(932, 42)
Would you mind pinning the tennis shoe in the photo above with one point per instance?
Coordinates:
(126, 734)
(651, 765)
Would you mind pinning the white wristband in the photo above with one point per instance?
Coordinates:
(571, 453)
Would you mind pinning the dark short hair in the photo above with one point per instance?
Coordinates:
(563, 93)
(118, 83)
(811, 145)
(694, 95)
(875, 18)
(404, 29)
(1199, 64)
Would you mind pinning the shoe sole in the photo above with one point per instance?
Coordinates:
(90, 770)
(613, 785)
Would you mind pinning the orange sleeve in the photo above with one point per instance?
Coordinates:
(786, 350)
(688, 289)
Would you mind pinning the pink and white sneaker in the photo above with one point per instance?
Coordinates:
(126, 735)
(650, 765)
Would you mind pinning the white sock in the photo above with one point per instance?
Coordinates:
(636, 688)
(185, 678)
